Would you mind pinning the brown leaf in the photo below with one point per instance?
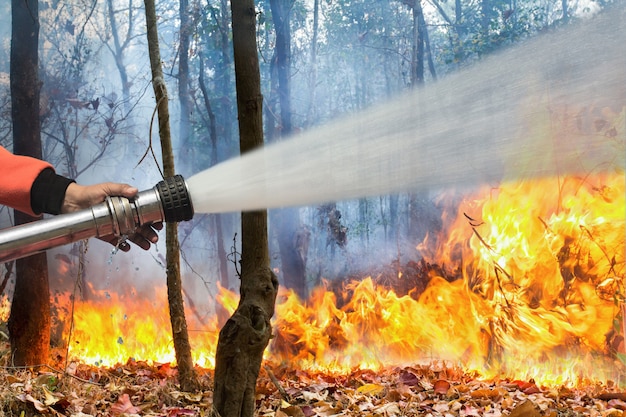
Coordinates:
(525, 409)
(533, 389)
(12, 379)
(618, 404)
(36, 403)
(292, 411)
(177, 412)
(441, 386)
(480, 393)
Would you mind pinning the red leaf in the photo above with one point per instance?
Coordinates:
(123, 405)
(175, 412)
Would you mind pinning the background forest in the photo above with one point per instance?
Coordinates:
(339, 57)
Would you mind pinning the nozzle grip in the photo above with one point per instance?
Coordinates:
(175, 199)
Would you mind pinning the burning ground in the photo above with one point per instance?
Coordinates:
(514, 308)
(523, 282)
(137, 388)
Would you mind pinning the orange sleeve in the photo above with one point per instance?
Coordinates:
(17, 174)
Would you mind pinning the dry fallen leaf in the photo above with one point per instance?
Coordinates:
(370, 389)
(27, 398)
(124, 406)
(292, 411)
(441, 386)
(525, 409)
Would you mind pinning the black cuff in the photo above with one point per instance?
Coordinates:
(48, 192)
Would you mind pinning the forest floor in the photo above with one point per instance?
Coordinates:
(140, 389)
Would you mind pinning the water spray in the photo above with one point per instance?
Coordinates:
(168, 201)
(482, 125)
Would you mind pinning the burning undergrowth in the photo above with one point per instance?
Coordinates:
(516, 308)
(435, 389)
(524, 281)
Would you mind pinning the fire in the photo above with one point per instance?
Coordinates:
(530, 286)
(534, 288)
(524, 280)
(117, 327)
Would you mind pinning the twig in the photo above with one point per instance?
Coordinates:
(606, 255)
(612, 396)
(232, 256)
(276, 382)
(9, 268)
(57, 371)
(473, 222)
(150, 147)
(77, 287)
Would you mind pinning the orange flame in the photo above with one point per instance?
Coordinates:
(536, 285)
(529, 284)
(115, 328)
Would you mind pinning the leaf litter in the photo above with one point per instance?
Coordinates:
(432, 390)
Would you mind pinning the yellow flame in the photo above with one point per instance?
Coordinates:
(538, 285)
(530, 285)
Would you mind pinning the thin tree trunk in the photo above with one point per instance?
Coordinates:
(311, 116)
(217, 217)
(417, 58)
(183, 82)
(245, 335)
(287, 220)
(29, 322)
(427, 51)
(186, 374)
(118, 52)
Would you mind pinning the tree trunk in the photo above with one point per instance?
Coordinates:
(311, 116)
(186, 374)
(417, 56)
(226, 114)
(183, 82)
(217, 217)
(119, 49)
(287, 221)
(246, 334)
(29, 323)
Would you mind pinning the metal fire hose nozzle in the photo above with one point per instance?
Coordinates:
(168, 201)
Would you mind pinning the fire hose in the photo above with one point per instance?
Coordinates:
(168, 201)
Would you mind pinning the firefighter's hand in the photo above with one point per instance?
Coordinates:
(78, 197)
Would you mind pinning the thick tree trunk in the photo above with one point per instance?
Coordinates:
(186, 374)
(29, 323)
(246, 334)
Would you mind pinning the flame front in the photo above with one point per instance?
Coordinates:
(525, 280)
(533, 290)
